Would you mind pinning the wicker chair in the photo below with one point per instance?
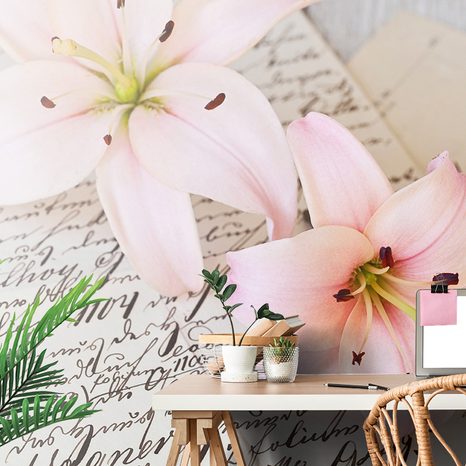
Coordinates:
(382, 425)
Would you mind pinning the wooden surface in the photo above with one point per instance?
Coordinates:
(227, 339)
(201, 392)
(347, 24)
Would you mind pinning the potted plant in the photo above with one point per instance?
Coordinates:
(239, 360)
(281, 360)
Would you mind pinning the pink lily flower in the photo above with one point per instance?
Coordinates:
(353, 278)
(138, 91)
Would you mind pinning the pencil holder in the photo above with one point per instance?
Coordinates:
(281, 364)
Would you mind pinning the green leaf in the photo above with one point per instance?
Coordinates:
(206, 273)
(54, 410)
(264, 312)
(84, 301)
(26, 403)
(68, 405)
(5, 348)
(59, 405)
(232, 308)
(221, 283)
(215, 275)
(48, 406)
(25, 413)
(15, 422)
(36, 411)
(82, 411)
(228, 291)
(6, 428)
(263, 307)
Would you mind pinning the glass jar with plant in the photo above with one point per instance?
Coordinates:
(281, 360)
(238, 358)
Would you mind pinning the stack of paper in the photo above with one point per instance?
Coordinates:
(414, 70)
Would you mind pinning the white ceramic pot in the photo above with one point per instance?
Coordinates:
(239, 363)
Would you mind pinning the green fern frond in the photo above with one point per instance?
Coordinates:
(34, 414)
(25, 401)
(26, 341)
(29, 378)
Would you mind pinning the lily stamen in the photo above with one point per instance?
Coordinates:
(401, 281)
(51, 102)
(159, 93)
(126, 87)
(386, 320)
(70, 48)
(375, 270)
(369, 315)
(372, 280)
(357, 358)
(216, 102)
(406, 308)
(362, 281)
(167, 32)
(386, 257)
(47, 103)
(152, 50)
(343, 295)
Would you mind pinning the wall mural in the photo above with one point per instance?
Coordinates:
(119, 352)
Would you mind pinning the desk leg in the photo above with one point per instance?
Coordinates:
(186, 455)
(216, 447)
(174, 450)
(233, 436)
(194, 444)
(196, 428)
(212, 457)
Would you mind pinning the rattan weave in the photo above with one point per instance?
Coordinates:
(381, 426)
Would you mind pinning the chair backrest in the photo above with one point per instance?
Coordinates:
(382, 425)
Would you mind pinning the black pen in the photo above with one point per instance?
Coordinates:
(369, 386)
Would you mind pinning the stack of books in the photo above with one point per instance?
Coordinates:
(269, 328)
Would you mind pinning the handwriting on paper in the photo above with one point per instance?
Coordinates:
(119, 352)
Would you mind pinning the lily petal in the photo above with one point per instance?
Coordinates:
(236, 154)
(342, 183)
(425, 224)
(154, 225)
(219, 31)
(25, 31)
(380, 345)
(141, 23)
(39, 154)
(91, 23)
(299, 276)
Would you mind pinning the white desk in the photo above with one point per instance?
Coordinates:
(203, 393)
(199, 403)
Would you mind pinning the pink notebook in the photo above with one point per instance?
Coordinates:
(437, 308)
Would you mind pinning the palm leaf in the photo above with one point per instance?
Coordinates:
(35, 414)
(26, 403)
(26, 341)
(30, 380)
